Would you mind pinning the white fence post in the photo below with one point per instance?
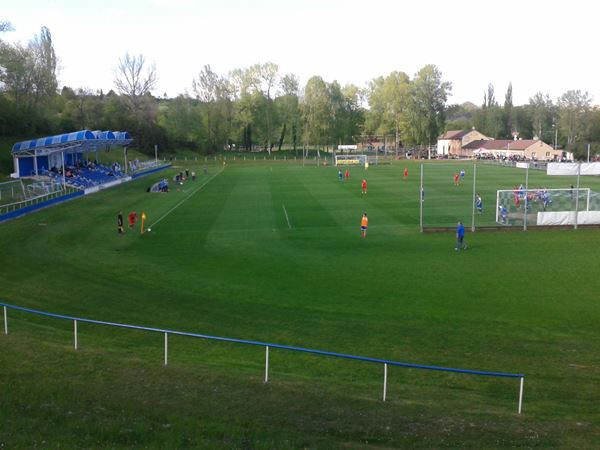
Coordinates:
(384, 381)
(521, 394)
(75, 333)
(166, 348)
(267, 364)
(5, 321)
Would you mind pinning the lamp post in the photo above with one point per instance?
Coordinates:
(588, 152)
(555, 133)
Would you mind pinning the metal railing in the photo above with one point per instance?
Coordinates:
(267, 346)
(34, 200)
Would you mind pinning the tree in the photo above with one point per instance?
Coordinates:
(181, 121)
(77, 107)
(509, 121)
(287, 108)
(133, 80)
(315, 111)
(488, 97)
(289, 84)
(264, 78)
(353, 116)
(5, 26)
(461, 117)
(573, 109)
(213, 91)
(428, 102)
(28, 77)
(489, 119)
(242, 88)
(44, 67)
(540, 111)
(389, 101)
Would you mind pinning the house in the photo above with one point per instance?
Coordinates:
(533, 149)
(452, 142)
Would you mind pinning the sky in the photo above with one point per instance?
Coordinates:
(538, 46)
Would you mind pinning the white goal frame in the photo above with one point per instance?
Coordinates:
(540, 201)
(11, 191)
(350, 160)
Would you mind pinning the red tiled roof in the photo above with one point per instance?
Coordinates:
(454, 134)
(500, 144)
(521, 144)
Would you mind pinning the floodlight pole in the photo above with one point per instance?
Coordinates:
(156, 154)
(125, 157)
(303, 153)
(473, 212)
(421, 201)
(525, 200)
(588, 152)
(35, 163)
(577, 195)
(63, 171)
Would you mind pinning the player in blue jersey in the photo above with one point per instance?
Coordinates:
(503, 214)
(460, 237)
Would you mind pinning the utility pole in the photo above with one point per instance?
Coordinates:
(588, 152)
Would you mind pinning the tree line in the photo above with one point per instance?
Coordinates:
(258, 107)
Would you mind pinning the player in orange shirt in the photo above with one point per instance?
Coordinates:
(405, 172)
(347, 174)
(364, 223)
(364, 186)
(456, 178)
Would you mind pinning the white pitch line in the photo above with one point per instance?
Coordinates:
(186, 198)
(286, 217)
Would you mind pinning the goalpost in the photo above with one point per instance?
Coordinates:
(12, 191)
(18, 193)
(347, 160)
(543, 206)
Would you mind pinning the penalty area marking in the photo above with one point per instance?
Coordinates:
(286, 217)
(184, 199)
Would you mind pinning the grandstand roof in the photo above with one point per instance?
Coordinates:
(78, 141)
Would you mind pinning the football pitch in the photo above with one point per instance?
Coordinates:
(272, 252)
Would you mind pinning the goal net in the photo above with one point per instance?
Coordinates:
(18, 191)
(12, 192)
(42, 188)
(541, 206)
(346, 160)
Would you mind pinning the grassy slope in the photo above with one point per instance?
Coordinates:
(226, 263)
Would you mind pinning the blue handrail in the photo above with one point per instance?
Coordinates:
(271, 345)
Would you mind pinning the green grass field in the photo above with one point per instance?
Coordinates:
(224, 260)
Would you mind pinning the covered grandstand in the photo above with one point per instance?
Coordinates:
(66, 158)
(54, 169)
